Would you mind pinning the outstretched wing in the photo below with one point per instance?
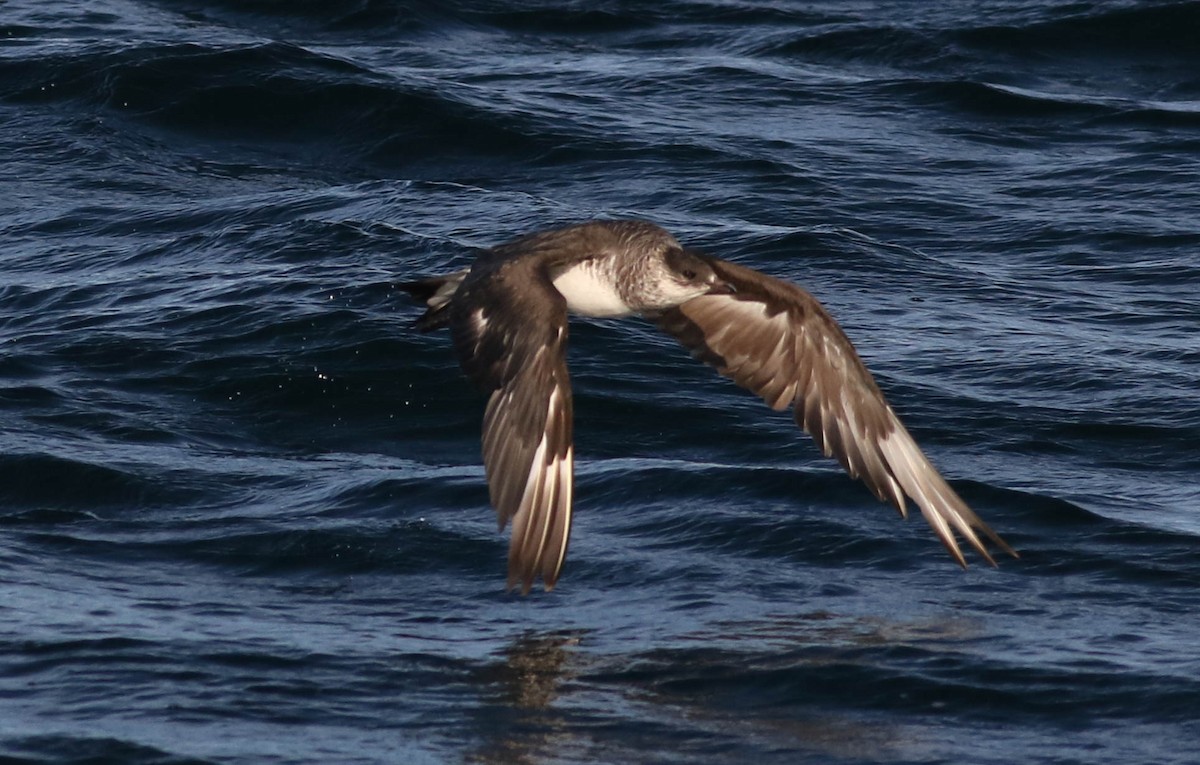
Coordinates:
(775, 339)
(513, 345)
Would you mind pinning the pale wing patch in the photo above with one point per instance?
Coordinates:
(479, 321)
(556, 550)
(542, 521)
(940, 504)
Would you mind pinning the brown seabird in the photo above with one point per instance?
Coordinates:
(507, 315)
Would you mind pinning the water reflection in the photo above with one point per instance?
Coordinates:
(517, 717)
(808, 684)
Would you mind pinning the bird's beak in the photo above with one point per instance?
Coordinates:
(721, 288)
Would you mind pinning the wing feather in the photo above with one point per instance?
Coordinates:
(512, 343)
(774, 339)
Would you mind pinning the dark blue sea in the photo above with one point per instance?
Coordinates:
(243, 516)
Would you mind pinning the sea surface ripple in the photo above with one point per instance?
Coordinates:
(242, 512)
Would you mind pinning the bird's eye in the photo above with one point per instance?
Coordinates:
(688, 274)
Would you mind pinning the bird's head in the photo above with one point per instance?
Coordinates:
(676, 275)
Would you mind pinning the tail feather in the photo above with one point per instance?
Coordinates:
(435, 292)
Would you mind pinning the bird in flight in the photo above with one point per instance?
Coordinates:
(507, 316)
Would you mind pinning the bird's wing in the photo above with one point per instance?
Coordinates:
(512, 343)
(776, 340)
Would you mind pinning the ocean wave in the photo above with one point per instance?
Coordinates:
(61, 484)
(281, 94)
(242, 547)
(1159, 30)
(929, 39)
(56, 749)
(415, 547)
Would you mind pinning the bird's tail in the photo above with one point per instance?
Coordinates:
(435, 292)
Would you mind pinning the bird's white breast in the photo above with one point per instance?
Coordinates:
(590, 291)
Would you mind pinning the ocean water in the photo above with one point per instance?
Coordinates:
(242, 509)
